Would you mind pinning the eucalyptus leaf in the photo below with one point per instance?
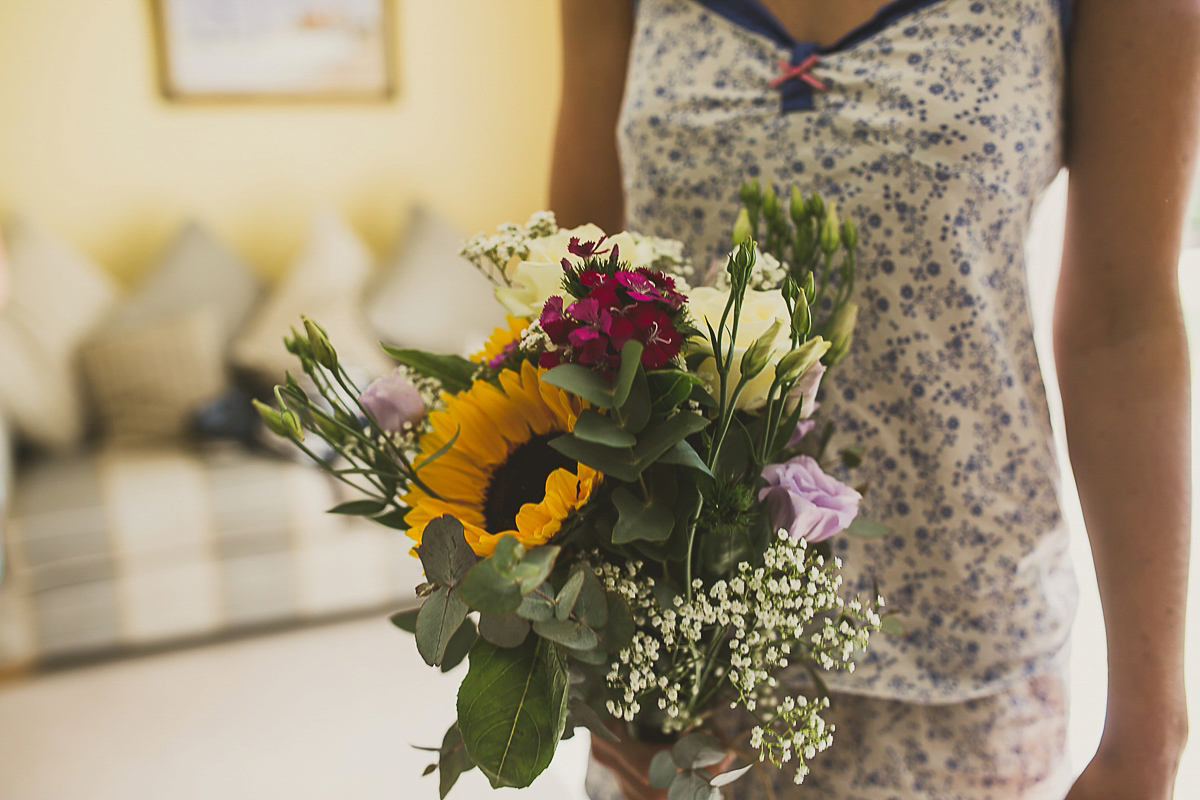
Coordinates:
(455, 373)
(662, 770)
(696, 750)
(591, 607)
(690, 786)
(537, 605)
(438, 619)
(406, 620)
(459, 645)
(536, 566)
(486, 590)
(507, 555)
(567, 595)
(665, 435)
(507, 631)
(631, 360)
(582, 382)
(867, 529)
(512, 707)
(619, 630)
(593, 427)
(636, 410)
(685, 455)
(612, 461)
(444, 551)
(639, 519)
(596, 656)
(453, 761)
(573, 635)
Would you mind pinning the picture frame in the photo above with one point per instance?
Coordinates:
(275, 50)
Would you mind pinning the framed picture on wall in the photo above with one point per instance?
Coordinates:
(275, 49)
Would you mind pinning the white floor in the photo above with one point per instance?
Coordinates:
(323, 713)
(331, 712)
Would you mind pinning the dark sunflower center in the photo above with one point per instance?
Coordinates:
(520, 480)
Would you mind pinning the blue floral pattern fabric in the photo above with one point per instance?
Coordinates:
(936, 134)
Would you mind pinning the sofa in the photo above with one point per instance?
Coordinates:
(141, 503)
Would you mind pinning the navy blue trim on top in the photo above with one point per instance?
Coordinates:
(796, 95)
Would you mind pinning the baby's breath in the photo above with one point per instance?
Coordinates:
(734, 637)
(492, 254)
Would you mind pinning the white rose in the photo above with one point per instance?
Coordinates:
(760, 310)
(539, 277)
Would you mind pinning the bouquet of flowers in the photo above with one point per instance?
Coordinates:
(620, 505)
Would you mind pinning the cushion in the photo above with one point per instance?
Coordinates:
(56, 297)
(427, 296)
(195, 272)
(325, 283)
(146, 381)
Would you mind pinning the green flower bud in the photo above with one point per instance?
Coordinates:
(790, 290)
(750, 194)
(742, 232)
(799, 208)
(816, 205)
(285, 423)
(810, 287)
(741, 264)
(770, 202)
(841, 333)
(322, 351)
(801, 319)
(849, 235)
(799, 361)
(831, 237)
(758, 355)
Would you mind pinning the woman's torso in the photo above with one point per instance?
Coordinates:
(941, 124)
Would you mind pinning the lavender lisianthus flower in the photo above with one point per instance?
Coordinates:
(393, 403)
(807, 503)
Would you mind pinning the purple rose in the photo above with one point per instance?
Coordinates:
(393, 403)
(804, 501)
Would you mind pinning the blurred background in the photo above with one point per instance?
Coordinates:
(179, 180)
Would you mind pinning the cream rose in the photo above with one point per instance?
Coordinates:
(760, 310)
(539, 277)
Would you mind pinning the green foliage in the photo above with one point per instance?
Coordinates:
(512, 708)
(459, 645)
(445, 554)
(506, 631)
(440, 615)
(454, 372)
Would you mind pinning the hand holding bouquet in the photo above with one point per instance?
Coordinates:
(620, 504)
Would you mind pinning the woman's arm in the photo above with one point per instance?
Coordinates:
(585, 179)
(1122, 360)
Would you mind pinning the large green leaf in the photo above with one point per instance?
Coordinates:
(666, 435)
(454, 372)
(438, 619)
(512, 706)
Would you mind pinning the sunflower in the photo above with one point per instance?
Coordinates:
(501, 341)
(501, 476)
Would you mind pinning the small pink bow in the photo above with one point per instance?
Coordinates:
(798, 71)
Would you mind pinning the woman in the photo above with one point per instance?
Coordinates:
(935, 124)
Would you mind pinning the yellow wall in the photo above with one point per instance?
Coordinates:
(88, 145)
